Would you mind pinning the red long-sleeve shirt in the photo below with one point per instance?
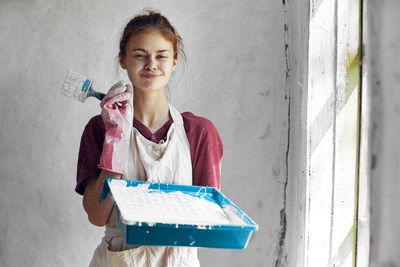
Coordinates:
(206, 149)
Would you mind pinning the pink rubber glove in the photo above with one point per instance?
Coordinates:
(118, 119)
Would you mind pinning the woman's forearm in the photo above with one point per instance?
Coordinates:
(98, 213)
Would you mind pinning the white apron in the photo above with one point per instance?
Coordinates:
(166, 162)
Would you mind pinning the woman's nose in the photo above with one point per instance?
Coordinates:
(151, 64)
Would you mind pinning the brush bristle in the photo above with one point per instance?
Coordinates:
(76, 86)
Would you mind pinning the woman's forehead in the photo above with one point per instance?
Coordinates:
(152, 40)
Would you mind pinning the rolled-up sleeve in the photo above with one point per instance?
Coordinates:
(206, 150)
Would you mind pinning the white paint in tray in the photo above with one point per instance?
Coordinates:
(138, 204)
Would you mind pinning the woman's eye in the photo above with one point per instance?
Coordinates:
(139, 56)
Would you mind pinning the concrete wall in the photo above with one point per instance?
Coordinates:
(236, 76)
(296, 39)
(383, 46)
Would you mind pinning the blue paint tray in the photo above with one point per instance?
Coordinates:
(135, 232)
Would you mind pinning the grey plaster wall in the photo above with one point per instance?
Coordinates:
(235, 76)
(383, 46)
(296, 37)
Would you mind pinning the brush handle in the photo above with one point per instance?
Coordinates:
(98, 95)
(93, 93)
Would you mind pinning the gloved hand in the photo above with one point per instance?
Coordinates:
(117, 114)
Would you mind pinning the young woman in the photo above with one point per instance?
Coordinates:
(144, 138)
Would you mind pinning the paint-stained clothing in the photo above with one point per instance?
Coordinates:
(165, 162)
(205, 148)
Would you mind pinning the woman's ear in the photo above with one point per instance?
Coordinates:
(174, 63)
(121, 61)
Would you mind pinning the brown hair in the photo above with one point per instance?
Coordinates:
(151, 20)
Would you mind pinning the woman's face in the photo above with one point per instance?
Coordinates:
(149, 61)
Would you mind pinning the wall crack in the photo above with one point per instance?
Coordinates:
(281, 259)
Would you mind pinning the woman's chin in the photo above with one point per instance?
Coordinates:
(149, 88)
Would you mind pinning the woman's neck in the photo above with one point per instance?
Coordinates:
(151, 108)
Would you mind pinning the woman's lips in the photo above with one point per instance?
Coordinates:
(150, 76)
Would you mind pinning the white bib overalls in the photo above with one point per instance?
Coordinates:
(166, 162)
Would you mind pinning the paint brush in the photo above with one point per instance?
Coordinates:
(79, 87)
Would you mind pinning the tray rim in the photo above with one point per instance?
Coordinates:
(190, 189)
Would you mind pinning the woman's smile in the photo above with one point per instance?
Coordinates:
(150, 76)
